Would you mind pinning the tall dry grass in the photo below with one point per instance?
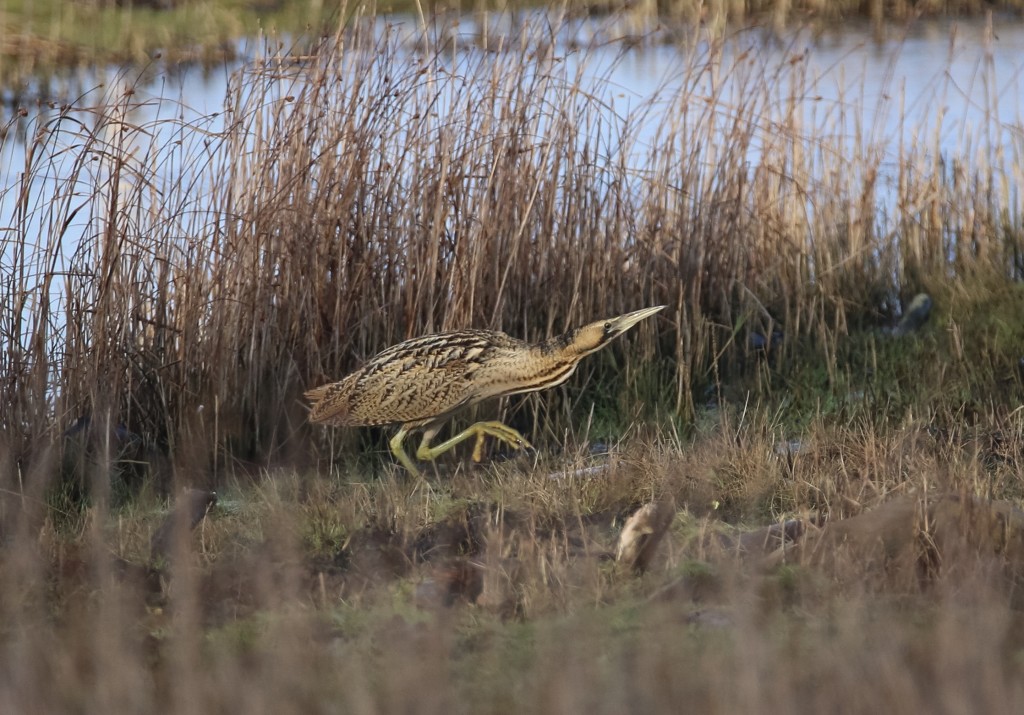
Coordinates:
(394, 183)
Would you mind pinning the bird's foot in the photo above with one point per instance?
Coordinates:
(499, 431)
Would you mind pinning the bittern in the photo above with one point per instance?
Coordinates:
(419, 383)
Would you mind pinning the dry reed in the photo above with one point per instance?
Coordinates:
(191, 287)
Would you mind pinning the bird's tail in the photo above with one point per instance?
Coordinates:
(317, 393)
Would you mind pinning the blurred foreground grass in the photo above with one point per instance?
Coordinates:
(496, 591)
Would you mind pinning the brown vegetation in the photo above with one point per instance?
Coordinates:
(339, 211)
(304, 594)
(356, 198)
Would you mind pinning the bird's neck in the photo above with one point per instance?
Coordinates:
(560, 346)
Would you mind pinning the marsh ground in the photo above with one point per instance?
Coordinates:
(496, 590)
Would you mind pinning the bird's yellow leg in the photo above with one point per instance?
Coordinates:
(497, 430)
(399, 452)
(478, 448)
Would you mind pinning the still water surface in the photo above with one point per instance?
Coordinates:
(959, 81)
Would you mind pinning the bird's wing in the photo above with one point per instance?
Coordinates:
(331, 402)
(426, 378)
(415, 381)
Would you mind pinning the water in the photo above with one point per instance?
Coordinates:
(960, 81)
(953, 65)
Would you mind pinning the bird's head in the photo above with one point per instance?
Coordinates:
(596, 335)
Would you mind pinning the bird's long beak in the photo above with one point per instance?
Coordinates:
(619, 325)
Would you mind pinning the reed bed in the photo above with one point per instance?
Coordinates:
(188, 279)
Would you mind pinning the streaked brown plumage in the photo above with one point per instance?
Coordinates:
(419, 383)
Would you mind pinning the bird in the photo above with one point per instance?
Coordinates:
(420, 383)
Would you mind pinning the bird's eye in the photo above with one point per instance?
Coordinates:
(607, 327)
